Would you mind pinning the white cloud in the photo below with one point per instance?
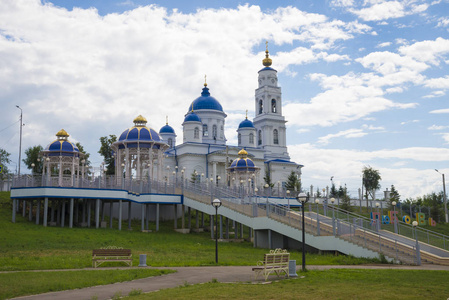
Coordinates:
(350, 133)
(443, 22)
(435, 94)
(409, 122)
(346, 167)
(383, 45)
(437, 127)
(427, 51)
(384, 10)
(438, 83)
(440, 111)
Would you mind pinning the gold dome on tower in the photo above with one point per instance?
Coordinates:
(267, 60)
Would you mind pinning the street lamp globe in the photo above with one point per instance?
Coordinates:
(332, 200)
(216, 203)
(393, 203)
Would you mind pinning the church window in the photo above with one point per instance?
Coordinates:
(214, 131)
(260, 106)
(196, 133)
(240, 138)
(251, 138)
(170, 143)
(273, 105)
(205, 133)
(275, 137)
(221, 132)
(260, 138)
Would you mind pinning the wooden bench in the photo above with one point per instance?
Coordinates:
(100, 256)
(275, 262)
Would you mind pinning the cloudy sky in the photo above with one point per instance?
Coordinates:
(365, 83)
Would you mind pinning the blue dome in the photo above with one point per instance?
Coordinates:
(192, 117)
(58, 147)
(167, 129)
(267, 69)
(246, 124)
(138, 133)
(206, 101)
(242, 164)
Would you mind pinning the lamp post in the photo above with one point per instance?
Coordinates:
(378, 217)
(418, 253)
(333, 215)
(20, 143)
(317, 201)
(279, 190)
(303, 198)
(288, 199)
(395, 221)
(216, 203)
(444, 196)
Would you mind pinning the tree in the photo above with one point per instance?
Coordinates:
(107, 153)
(333, 192)
(194, 176)
(267, 179)
(394, 195)
(371, 183)
(4, 161)
(32, 157)
(293, 183)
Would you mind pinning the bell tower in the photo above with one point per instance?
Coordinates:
(269, 121)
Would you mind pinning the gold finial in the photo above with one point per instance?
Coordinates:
(140, 121)
(166, 120)
(192, 107)
(62, 133)
(267, 60)
(205, 81)
(242, 153)
(247, 114)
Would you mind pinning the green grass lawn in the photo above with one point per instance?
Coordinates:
(31, 283)
(329, 284)
(26, 246)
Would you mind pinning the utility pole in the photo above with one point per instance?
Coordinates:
(444, 197)
(20, 143)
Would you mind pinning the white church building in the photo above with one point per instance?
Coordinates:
(204, 151)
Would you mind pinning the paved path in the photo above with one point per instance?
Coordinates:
(192, 275)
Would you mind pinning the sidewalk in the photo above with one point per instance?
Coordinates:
(193, 275)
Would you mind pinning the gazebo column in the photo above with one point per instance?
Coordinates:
(147, 214)
(72, 174)
(30, 210)
(97, 214)
(88, 212)
(38, 211)
(62, 213)
(129, 215)
(142, 217)
(71, 213)
(45, 211)
(111, 206)
(120, 214)
(157, 217)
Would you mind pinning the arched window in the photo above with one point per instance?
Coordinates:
(170, 142)
(259, 142)
(275, 137)
(260, 106)
(251, 138)
(273, 105)
(221, 132)
(240, 138)
(196, 133)
(205, 132)
(214, 131)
